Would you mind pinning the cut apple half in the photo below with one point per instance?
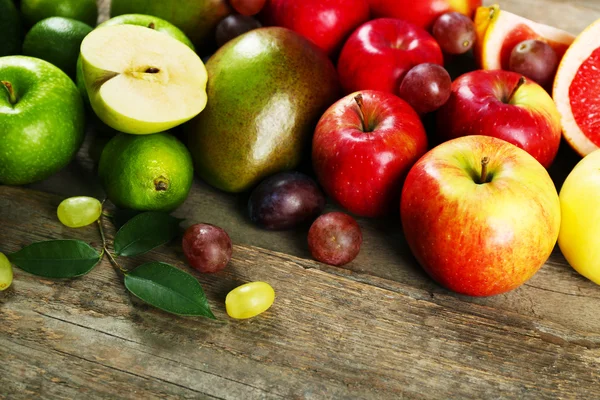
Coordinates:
(499, 31)
(577, 93)
(141, 81)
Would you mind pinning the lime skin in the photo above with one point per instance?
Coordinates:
(146, 172)
(82, 10)
(57, 40)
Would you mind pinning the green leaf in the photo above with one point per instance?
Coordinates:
(145, 232)
(168, 288)
(56, 258)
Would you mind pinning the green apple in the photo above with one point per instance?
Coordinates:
(81, 10)
(152, 22)
(10, 28)
(197, 18)
(141, 81)
(42, 121)
(149, 21)
(580, 226)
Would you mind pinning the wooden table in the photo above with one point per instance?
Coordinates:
(376, 329)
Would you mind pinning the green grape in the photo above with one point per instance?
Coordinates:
(6, 274)
(79, 211)
(249, 300)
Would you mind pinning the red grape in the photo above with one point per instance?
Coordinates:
(426, 87)
(285, 200)
(207, 247)
(334, 238)
(233, 26)
(454, 32)
(534, 59)
(248, 7)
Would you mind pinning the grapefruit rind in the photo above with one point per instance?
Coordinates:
(494, 25)
(581, 49)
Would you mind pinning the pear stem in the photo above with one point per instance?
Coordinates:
(484, 170)
(12, 96)
(361, 112)
(514, 91)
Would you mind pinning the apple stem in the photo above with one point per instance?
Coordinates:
(152, 25)
(484, 170)
(12, 96)
(361, 112)
(514, 91)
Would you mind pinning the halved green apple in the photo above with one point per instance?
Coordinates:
(141, 81)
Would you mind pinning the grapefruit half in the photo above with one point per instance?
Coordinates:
(577, 91)
(499, 31)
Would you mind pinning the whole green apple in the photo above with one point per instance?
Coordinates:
(149, 21)
(480, 215)
(197, 18)
(42, 122)
(10, 29)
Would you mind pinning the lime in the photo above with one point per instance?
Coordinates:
(81, 10)
(146, 172)
(57, 40)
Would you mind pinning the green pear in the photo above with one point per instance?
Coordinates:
(197, 18)
(10, 29)
(267, 89)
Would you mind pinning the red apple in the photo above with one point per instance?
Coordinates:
(480, 229)
(504, 105)
(421, 12)
(380, 52)
(362, 149)
(325, 22)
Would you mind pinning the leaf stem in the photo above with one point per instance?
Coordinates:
(111, 258)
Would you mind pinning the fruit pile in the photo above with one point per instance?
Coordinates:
(447, 112)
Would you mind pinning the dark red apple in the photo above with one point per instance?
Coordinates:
(325, 22)
(379, 53)
(504, 105)
(421, 12)
(363, 147)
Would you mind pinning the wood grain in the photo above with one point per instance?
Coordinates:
(331, 333)
(378, 328)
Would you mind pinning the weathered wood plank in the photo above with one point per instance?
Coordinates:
(328, 335)
(379, 328)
